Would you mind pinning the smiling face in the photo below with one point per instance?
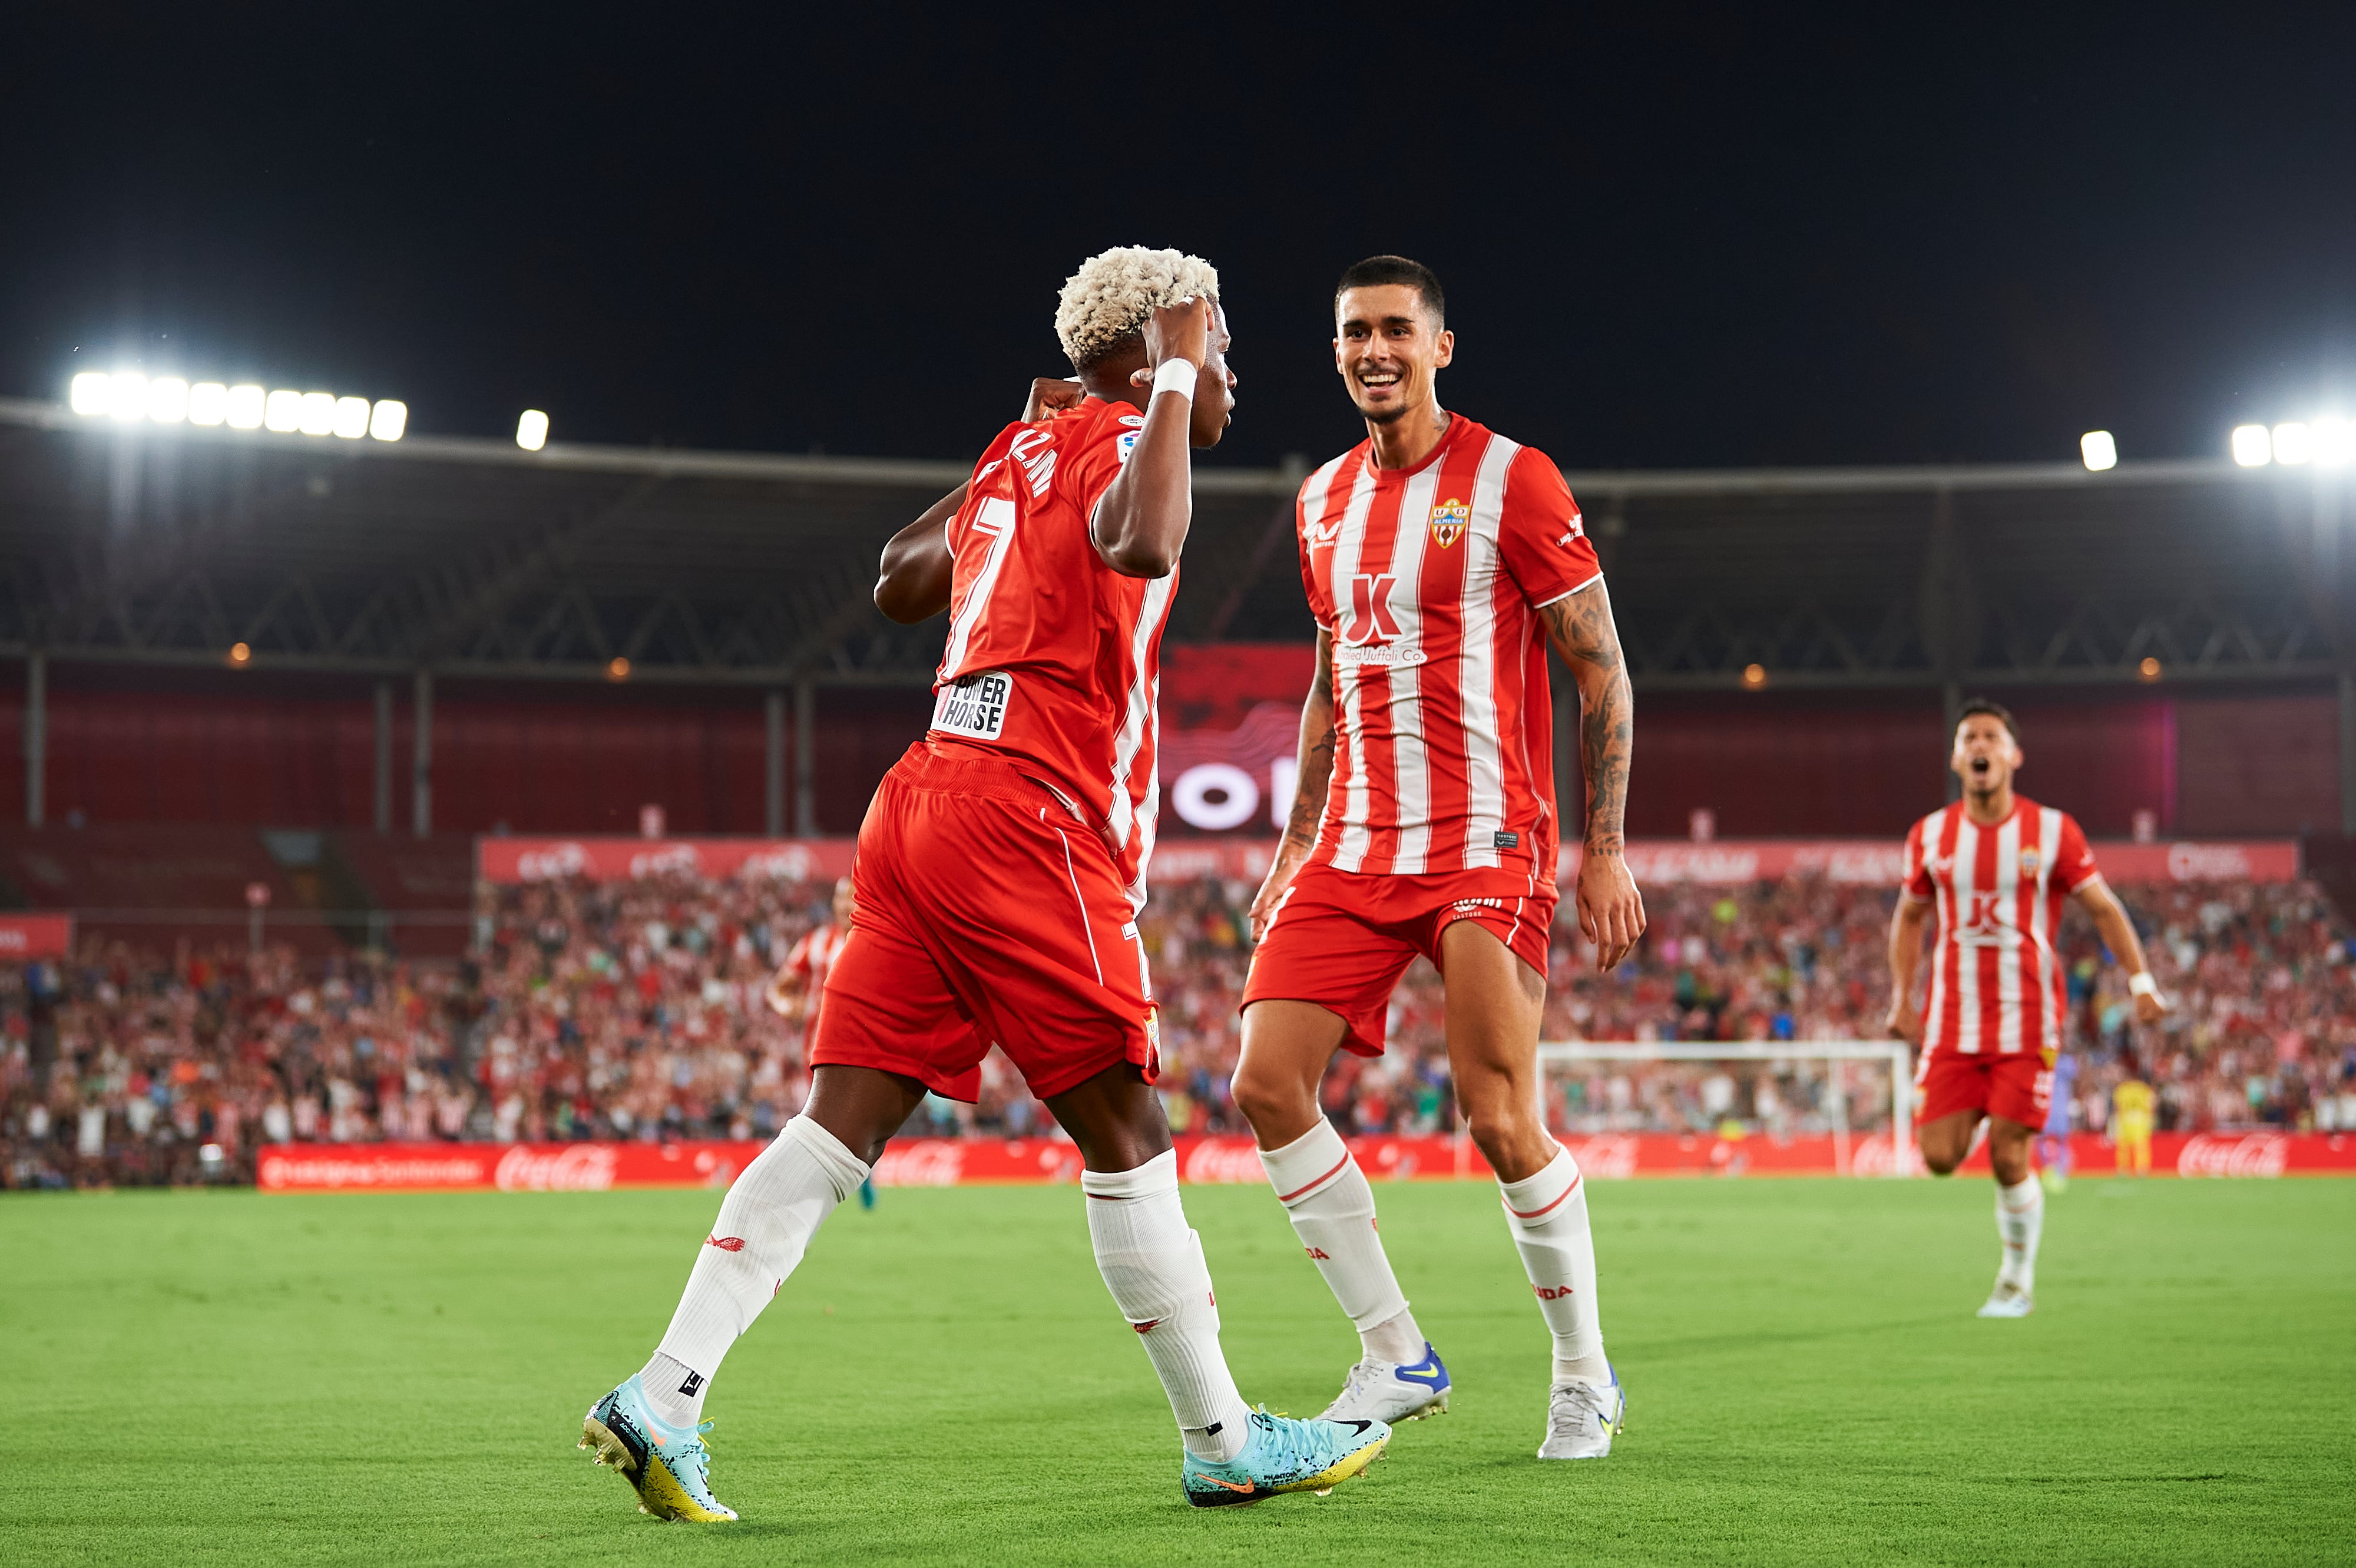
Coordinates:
(1389, 349)
(1986, 755)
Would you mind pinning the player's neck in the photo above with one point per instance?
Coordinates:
(1110, 383)
(1408, 440)
(1989, 810)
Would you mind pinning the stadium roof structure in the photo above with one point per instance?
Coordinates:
(164, 546)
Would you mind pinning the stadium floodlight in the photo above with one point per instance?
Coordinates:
(2099, 450)
(167, 400)
(2294, 443)
(2335, 442)
(351, 417)
(90, 393)
(2253, 447)
(282, 411)
(245, 407)
(531, 430)
(318, 416)
(126, 396)
(389, 420)
(207, 403)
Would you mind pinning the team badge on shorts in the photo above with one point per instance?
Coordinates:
(1152, 1041)
(1448, 520)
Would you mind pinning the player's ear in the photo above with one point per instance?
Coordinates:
(1447, 343)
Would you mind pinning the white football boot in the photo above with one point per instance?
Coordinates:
(1583, 1418)
(2008, 1300)
(1388, 1391)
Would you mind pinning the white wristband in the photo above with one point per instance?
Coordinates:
(2142, 984)
(1176, 376)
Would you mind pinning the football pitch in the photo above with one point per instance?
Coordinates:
(221, 1376)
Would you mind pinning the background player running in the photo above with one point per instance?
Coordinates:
(1439, 558)
(797, 991)
(1998, 865)
(995, 873)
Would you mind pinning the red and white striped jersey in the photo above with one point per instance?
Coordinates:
(1053, 658)
(812, 959)
(1429, 580)
(1997, 981)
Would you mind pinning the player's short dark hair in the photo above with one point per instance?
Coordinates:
(1995, 711)
(1381, 272)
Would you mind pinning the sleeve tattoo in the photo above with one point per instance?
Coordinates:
(1584, 635)
(1316, 761)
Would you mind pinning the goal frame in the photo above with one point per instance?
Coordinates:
(1896, 1055)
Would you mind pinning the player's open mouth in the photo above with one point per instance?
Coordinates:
(1979, 767)
(1378, 381)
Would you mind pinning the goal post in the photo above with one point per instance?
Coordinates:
(1894, 1057)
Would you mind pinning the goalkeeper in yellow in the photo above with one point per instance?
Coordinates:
(2132, 1104)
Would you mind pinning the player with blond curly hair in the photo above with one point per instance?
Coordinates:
(998, 875)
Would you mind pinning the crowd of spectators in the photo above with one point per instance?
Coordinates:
(639, 1010)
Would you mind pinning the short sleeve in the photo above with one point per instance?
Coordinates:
(1320, 604)
(1915, 876)
(798, 962)
(2073, 859)
(1541, 535)
(1088, 460)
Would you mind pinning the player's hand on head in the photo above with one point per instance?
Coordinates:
(1180, 331)
(1611, 909)
(1051, 394)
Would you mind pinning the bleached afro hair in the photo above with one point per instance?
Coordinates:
(1106, 303)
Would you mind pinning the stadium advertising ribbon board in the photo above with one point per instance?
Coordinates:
(24, 937)
(951, 1162)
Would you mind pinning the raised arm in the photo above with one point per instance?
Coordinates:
(1315, 776)
(2118, 934)
(1139, 524)
(1611, 909)
(918, 566)
(1905, 958)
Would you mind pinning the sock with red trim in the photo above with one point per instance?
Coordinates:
(1152, 1264)
(1333, 1211)
(2019, 1223)
(771, 1211)
(1548, 1215)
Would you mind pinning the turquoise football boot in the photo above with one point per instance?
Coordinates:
(666, 1463)
(1285, 1455)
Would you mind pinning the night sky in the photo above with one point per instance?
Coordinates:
(1672, 237)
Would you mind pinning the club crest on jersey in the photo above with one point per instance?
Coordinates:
(1450, 518)
(2030, 861)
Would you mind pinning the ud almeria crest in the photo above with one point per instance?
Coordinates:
(1448, 520)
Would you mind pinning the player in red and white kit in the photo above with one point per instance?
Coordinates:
(1440, 559)
(1998, 865)
(996, 883)
(797, 990)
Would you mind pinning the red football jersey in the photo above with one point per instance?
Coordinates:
(813, 958)
(1997, 981)
(1053, 658)
(1431, 579)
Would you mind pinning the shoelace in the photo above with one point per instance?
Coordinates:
(1580, 1399)
(1361, 1376)
(1292, 1442)
(696, 1456)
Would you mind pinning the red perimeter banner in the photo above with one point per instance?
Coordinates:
(954, 1162)
(35, 936)
(1654, 860)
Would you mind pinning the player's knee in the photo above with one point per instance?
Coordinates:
(1273, 1103)
(1508, 1137)
(1940, 1161)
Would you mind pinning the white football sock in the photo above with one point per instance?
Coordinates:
(1548, 1215)
(1333, 1211)
(2019, 1222)
(771, 1211)
(1153, 1265)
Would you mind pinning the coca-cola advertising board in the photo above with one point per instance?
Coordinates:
(34, 936)
(958, 1162)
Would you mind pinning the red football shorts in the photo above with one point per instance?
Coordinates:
(2015, 1085)
(984, 913)
(1342, 940)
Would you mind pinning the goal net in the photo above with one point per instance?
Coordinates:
(1840, 1107)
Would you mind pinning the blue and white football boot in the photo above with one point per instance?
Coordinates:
(1381, 1391)
(1285, 1455)
(666, 1463)
(1583, 1418)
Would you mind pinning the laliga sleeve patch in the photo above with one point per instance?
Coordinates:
(975, 705)
(1123, 444)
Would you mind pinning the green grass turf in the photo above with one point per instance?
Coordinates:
(221, 1377)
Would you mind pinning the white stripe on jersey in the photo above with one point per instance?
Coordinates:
(1410, 764)
(1484, 775)
(1350, 540)
(1968, 966)
(2007, 968)
(2049, 850)
(996, 519)
(1934, 1008)
(1125, 746)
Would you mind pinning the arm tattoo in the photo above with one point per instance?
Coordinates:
(1582, 633)
(1316, 758)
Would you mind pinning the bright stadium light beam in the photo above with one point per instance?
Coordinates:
(389, 419)
(318, 416)
(2335, 442)
(208, 403)
(167, 400)
(2294, 443)
(351, 417)
(2099, 450)
(284, 411)
(2253, 448)
(531, 430)
(127, 396)
(90, 393)
(245, 407)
